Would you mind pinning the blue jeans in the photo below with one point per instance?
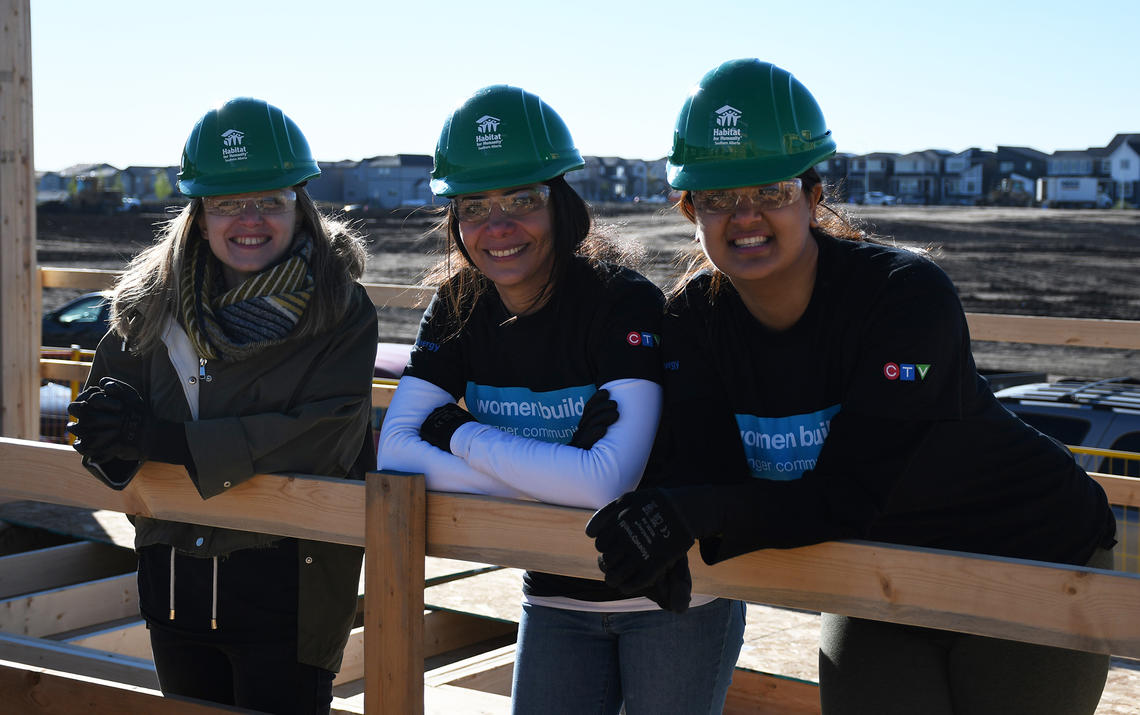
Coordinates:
(580, 662)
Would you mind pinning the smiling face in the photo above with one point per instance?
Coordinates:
(516, 252)
(748, 244)
(253, 239)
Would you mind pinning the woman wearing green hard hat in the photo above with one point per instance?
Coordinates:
(240, 344)
(556, 354)
(826, 379)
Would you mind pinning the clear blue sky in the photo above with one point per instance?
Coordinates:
(124, 81)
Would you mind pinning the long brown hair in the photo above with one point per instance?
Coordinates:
(834, 222)
(460, 283)
(149, 289)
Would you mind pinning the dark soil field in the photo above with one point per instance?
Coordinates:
(1081, 264)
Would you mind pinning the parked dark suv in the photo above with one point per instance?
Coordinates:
(1102, 413)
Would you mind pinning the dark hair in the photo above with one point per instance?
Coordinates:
(836, 223)
(461, 283)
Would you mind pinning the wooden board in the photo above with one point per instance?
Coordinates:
(86, 662)
(26, 690)
(65, 609)
(1038, 330)
(19, 280)
(57, 566)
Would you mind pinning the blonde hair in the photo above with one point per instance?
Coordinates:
(149, 289)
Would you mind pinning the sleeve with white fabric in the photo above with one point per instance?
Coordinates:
(402, 449)
(562, 474)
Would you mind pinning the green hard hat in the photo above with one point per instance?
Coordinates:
(502, 136)
(747, 123)
(244, 145)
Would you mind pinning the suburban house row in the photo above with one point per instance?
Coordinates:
(1097, 177)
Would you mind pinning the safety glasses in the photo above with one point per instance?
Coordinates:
(277, 202)
(765, 197)
(476, 209)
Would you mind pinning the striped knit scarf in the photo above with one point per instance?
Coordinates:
(259, 313)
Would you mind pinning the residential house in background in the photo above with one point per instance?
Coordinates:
(384, 183)
(1077, 179)
(967, 176)
(150, 184)
(918, 176)
(329, 186)
(869, 172)
(1018, 170)
(1123, 157)
(1011, 176)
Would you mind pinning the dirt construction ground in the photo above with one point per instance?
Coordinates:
(1081, 264)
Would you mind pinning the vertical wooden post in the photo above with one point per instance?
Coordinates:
(19, 301)
(395, 541)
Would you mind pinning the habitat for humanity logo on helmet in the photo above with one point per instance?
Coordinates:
(487, 134)
(726, 132)
(232, 149)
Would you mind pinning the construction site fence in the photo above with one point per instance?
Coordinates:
(399, 524)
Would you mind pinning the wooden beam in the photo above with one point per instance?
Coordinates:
(63, 565)
(1041, 330)
(1081, 332)
(25, 690)
(1037, 603)
(1029, 601)
(132, 639)
(65, 609)
(488, 672)
(393, 600)
(390, 295)
(19, 284)
(86, 662)
(1121, 491)
(444, 631)
(315, 508)
(90, 279)
(755, 693)
(64, 370)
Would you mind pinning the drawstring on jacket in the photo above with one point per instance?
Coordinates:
(213, 592)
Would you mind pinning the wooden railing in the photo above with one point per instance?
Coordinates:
(983, 326)
(399, 524)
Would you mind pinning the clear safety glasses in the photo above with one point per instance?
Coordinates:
(277, 202)
(476, 209)
(765, 197)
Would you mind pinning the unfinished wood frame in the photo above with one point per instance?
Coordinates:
(1029, 601)
(63, 565)
(1084, 332)
(19, 279)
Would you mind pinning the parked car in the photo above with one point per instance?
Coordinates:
(1085, 413)
(1091, 413)
(878, 198)
(82, 322)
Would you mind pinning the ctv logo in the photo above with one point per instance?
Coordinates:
(648, 340)
(907, 372)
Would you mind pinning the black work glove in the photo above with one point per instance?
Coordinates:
(442, 423)
(640, 535)
(113, 422)
(598, 414)
(674, 589)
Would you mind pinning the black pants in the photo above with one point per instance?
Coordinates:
(250, 659)
(265, 677)
(876, 668)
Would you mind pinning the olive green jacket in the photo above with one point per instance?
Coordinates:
(303, 407)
